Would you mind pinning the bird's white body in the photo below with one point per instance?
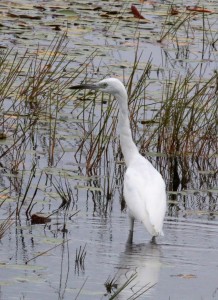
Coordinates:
(144, 187)
(144, 193)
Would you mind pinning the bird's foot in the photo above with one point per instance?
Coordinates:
(153, 240)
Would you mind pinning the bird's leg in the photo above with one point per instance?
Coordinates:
(130, 237)
(153, 239)
(131, 224)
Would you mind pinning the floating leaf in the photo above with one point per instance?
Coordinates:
(174, 11)
(2, 136)
(22, 267)
(29, 279)
(89, 188)
(51, 240)
(5, 283)
(190, 191)
(39, 7)
(136, 13)
(24, 16)
(207, 172)
(39, 218)
(67, 12)
(185, 276)
(172, 193)
(199, 9)
(215, 190)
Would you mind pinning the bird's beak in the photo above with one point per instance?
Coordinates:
(84, 86)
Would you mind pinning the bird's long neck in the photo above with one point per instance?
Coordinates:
(128, 147)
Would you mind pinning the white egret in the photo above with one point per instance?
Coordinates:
(144, 187)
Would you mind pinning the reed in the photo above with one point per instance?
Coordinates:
(187, 119)
(80, 259)
(5, 225)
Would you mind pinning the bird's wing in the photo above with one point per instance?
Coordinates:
(144, 192)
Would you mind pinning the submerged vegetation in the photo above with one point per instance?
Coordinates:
(58, 148)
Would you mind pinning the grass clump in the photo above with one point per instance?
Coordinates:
(187, 119)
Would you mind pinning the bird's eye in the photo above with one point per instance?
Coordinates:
(104, 85)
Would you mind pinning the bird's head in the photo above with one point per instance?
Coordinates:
(111, 86)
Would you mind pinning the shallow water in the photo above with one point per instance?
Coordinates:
(39, 261)
(182, 265)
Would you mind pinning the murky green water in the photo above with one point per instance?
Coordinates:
(39, 261)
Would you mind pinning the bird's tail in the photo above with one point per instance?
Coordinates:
(152, 229)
